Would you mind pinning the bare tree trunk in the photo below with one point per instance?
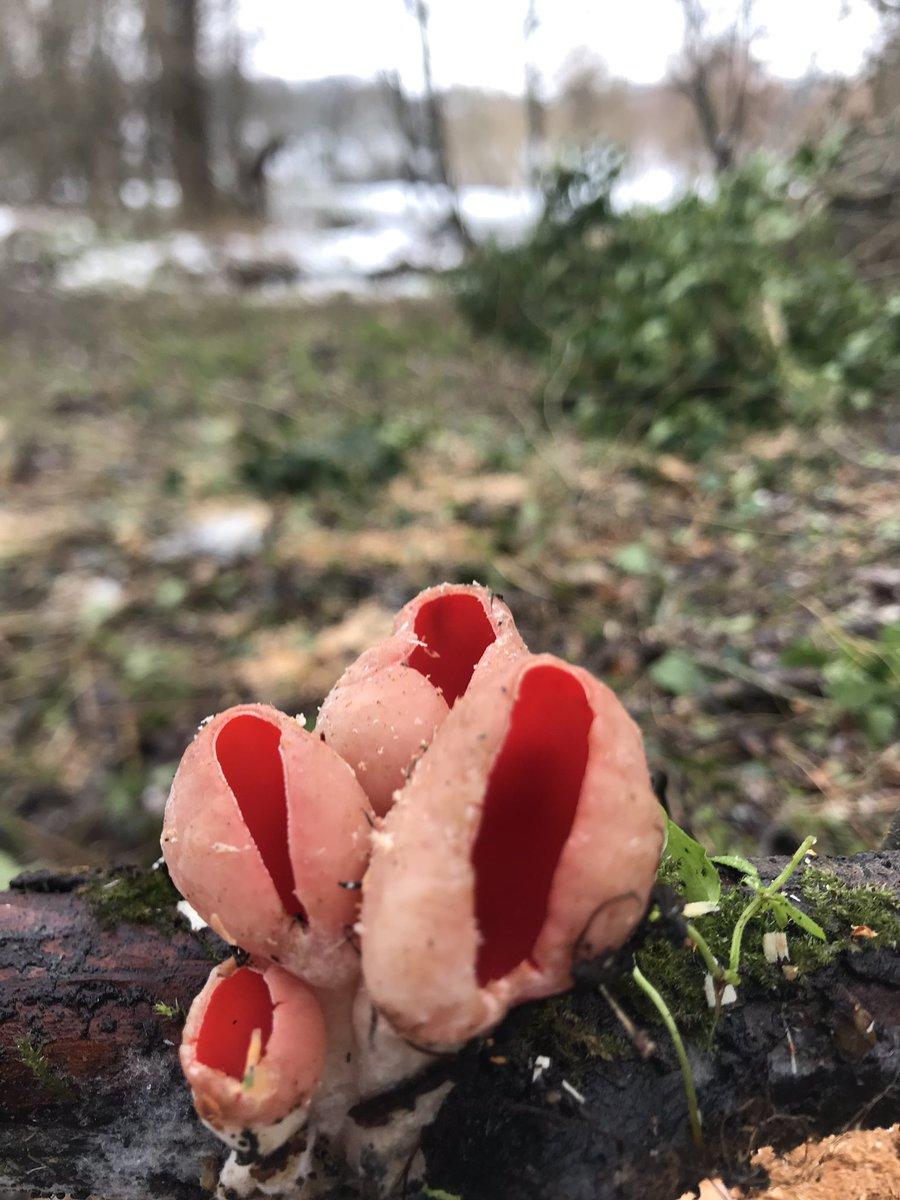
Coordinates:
(406, 123)
(535, 111)
(234, 112)
(53, 35)
(715, 78)
(696, 88)
(184, 99)
(863, 182)
(436, 124)
(253, 170)
(93, 1101)
(104, 100)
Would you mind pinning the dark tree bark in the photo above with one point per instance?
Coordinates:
(715, 78)
(406, 124)
(436, 125)
(91, 1089)
(174, 26)
(92, 1100)
(535, 110)
(253, 191)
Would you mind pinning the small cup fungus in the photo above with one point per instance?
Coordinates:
(529, 835)
(383, 711)
(253, 1052)
(265, 827)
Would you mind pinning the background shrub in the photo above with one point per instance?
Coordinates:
(722, 311)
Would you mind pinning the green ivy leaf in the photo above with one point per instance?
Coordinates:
(849, 686)
(635, 559)
(695, 875)
(8, 869)
(678, 673)
(779, 908)
(880, 722)
(804, 654)
(737, 863)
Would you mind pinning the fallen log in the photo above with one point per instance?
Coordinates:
(563, 1102)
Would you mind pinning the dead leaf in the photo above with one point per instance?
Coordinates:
(287, 662)
(676, 470)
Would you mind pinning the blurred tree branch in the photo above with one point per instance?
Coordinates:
(715, 76)
(535, 110)
(173, 29)
(436, 124)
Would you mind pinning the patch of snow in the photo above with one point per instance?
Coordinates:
(191, 252)
(573, 1092)
(653, 186)
(8, 222)
(88, 600)
(226, 535)
(365, 239)
(125, 264)
(541, 1063)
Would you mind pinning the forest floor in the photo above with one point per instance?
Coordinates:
(209, 502)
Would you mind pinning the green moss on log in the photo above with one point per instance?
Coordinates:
(839, 909)
(135, 897)
(679, 973)
(558, 1029)
(566, 1030)
(54, 1086)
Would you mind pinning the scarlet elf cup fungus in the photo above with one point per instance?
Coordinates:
(263, 825)
(528, 836)
(253, 1052)
(383, 711)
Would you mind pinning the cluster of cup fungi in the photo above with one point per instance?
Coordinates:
(465, 820)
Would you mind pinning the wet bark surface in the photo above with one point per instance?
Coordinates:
(92, 1093)
(92, 1102)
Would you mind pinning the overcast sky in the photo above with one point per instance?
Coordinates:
(480, 43)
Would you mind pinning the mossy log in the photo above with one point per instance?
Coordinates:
(96, 972)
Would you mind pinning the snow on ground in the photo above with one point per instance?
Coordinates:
(375, 238)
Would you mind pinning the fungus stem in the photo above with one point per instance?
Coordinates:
(687, 1075)
(761, 898)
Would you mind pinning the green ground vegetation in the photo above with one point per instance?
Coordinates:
(689, 324)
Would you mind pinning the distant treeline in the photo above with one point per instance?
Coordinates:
(147, 103)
